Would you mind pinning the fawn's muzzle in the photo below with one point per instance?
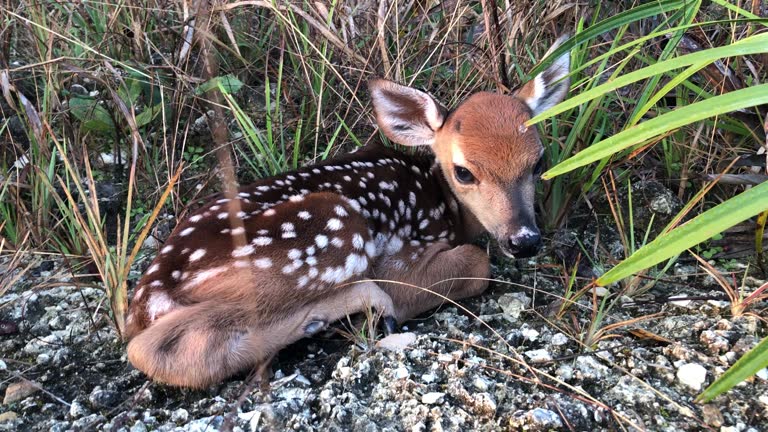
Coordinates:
(525, 243)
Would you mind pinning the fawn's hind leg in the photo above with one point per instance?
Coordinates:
(429, 275)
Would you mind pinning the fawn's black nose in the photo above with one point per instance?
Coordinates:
(525, 243)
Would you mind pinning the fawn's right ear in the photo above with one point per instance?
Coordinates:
(407, 116)
(549, 87)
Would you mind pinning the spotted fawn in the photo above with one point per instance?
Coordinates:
(244, 277)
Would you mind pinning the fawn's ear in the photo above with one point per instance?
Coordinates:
(407, 116)
(550, 86)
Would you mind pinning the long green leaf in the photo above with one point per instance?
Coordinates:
(751, 45)
(717, 105)
(635, 14)
(754, 360)
(702, 227)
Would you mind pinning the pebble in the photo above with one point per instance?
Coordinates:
(180, 416)
(539, 355)
(401, 372)
(432, 398)
(18, 391)
(8, 416)
(530, 334)
(139, 426)
(513, 304)
(481, 384)
(397, 342)
(559, 339)
(77, 409)
(692, 375)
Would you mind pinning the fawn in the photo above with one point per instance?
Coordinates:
(244, 277)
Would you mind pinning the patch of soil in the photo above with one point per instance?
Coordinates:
(497, 362)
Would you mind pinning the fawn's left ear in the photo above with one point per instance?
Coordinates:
(406, 116)
(550, 86)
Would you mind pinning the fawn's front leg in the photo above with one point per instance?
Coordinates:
(422, 280)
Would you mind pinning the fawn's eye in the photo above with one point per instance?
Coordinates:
(539, 166)
(463, 175)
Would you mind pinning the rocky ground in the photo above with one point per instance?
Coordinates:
(498, 365)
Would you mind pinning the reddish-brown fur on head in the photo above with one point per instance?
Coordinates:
(488, 155)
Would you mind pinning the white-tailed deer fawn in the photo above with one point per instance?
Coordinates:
(243, 278)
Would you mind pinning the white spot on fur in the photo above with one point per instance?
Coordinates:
(156, 284)
(261, 241)
(159, 303)
(357, 241)
(166, 249)
(176, 275)
(337, 242)
(269, 212)
(394, 245)
(263, 263)
(195, 218)
(321, 241)
(339, 210)
(186, 231)
(196, 255)
(305, 215)
(242, 251)
(294, 254)
(296, 198)
(222, 215)
(204, 275)
(238, 231)
(310, 250)
(154, 268)
(334, 224)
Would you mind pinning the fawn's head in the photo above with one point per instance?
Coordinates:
(488, 156)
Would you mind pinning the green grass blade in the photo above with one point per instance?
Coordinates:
(751, 45)
(717, 105)
(754, 360)
(635, 14)
(711, 222)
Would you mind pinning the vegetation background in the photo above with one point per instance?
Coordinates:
(116, 116)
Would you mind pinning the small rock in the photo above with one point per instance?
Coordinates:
(401, 372)
(100, 398)
(692, 375)
(762, 374)
(18, 391)
(428, 378)
(432, 398)
(590, 367)
(77, 409)
(397, 341)
(481, 384)
(8, 416)
(43, 358)
(537, 419)
(513, 304)
(539, 355)
(139, 426)
(559, 339)
(711, 415)
(3, 366)
(530, 334)
(253, 418)
(180, 416)
(150, 243)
